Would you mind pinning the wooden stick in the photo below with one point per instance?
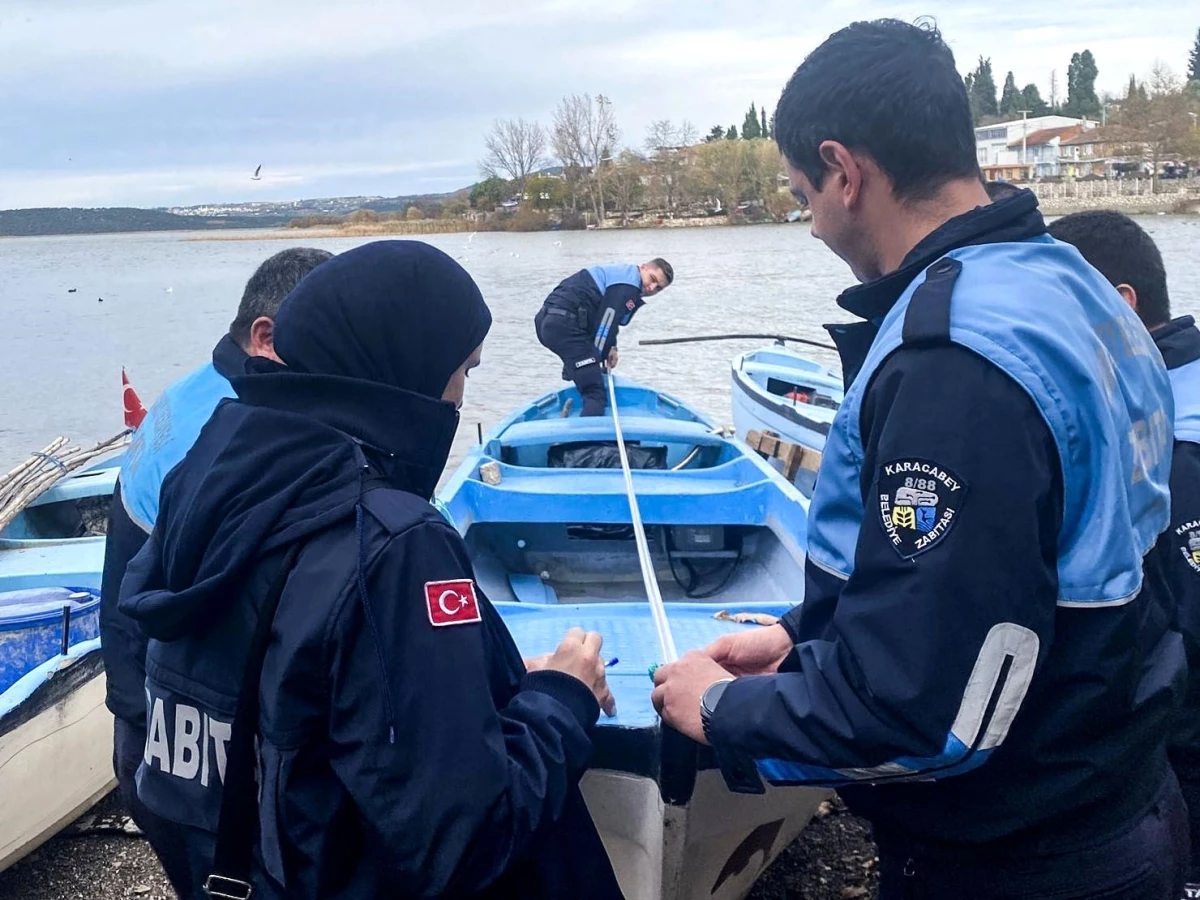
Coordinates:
(33, 480)
(736, 337)
(32, 462)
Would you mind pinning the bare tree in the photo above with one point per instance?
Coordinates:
(626, 183)
(585, 135)
(688, 135)
(1163, 80)
(661, 134)
(664, 140)
(515, 148)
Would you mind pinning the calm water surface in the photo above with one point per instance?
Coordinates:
(61, 353)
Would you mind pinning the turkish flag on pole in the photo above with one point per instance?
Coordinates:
(134, 411)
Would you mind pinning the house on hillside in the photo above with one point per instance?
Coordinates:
(998, 146)
(1108, 152)
(1039, 151)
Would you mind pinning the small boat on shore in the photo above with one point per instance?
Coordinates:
(55, 731)
(778, 390)
(547, 520)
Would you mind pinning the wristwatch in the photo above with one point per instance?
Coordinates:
(709, 700)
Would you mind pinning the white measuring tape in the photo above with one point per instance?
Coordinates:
(666, 641)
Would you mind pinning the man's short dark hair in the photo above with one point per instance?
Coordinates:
(270, 283)
(1124, 254)
(889, 89)
(1000, 190)
(664, 267)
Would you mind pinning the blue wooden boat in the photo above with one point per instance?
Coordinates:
(776, 389)
(55, 731)
(548, 526)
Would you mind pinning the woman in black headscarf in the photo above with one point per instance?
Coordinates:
(399, 746)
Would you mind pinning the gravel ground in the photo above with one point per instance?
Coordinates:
(97, 865)
(834, 859)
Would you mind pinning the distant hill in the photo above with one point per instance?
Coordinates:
(22, 222)
(253, 214)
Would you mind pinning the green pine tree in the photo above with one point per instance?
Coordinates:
(1081, 86)
(716, 133)
(1194, 59)
(1010, 98)
(731, 134)
(766, 132)
(1031, 99)
(981, 87)
(750, 127)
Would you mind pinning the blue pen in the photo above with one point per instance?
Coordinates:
(612, 662)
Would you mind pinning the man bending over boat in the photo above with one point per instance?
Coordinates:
(983, 663)
(160, 442)
(580, 320)
(1129, 259)
(336, 709)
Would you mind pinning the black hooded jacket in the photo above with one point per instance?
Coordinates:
(402, 753)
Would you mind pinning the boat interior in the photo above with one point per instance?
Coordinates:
(552, 563)
(75, 507)
(552, 525)
(783, 373)
(548, 433)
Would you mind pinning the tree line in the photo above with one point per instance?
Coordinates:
(1159, 119)
(579, 164)
(579, 168)
(1081, 99)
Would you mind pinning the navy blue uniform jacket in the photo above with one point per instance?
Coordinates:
(1179, 343)
(881, 661)
(398, 758)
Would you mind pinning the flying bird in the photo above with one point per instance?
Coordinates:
(256, 176)
(71, 290)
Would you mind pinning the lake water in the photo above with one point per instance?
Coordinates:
(61, 353)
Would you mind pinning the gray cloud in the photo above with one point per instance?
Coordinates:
(152, 103)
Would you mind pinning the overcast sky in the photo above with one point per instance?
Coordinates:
(172, 102)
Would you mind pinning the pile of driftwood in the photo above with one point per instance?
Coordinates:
(36, 475)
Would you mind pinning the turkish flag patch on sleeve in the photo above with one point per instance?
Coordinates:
(452, 602)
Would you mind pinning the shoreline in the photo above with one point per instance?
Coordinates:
(1052, 199)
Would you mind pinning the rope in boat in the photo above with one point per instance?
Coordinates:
(666, 641)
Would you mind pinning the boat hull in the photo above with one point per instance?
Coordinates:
(716, 845)
(56, 734)
(55, 750)
(550, 553)
(756, 408)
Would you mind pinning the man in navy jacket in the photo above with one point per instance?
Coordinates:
(580, 320)
(983, 663)
(1129, 259)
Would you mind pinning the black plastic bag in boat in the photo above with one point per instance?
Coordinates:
(604, 455)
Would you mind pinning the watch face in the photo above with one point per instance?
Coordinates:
(712, 696)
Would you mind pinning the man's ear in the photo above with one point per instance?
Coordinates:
(1129, 295)
(845, 170)
(262, 338)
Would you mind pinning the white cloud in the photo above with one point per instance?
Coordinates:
(157, 102)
